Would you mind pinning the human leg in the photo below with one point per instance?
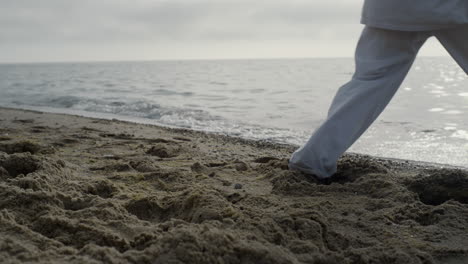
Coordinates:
(383, 58)
(455, 41)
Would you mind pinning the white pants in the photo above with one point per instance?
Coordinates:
(383, 59)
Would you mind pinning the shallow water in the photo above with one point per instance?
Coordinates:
(277, 100)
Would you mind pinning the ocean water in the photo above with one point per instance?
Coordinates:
(276, 100)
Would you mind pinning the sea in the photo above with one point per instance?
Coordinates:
(277, 100)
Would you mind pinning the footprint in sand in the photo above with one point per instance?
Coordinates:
(17, 164)
(104, 189)
(144, 166)
(441, 186)
(163, 150)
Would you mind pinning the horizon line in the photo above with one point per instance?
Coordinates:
(188, 59)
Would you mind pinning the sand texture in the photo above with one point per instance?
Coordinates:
(82, 190)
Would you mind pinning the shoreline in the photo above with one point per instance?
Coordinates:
(403, 163)
(77, 189)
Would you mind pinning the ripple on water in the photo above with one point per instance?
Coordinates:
(436, 110)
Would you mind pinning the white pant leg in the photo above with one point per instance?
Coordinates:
(383, 59)
(455, 41)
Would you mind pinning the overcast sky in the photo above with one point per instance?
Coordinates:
(97, 30)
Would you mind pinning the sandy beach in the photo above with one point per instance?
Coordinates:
(84, 190)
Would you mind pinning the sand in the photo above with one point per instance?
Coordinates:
(83, 190)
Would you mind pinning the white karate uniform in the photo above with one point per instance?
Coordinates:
(414, 15)
(384, 55)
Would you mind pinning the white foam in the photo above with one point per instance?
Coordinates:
(463, 134)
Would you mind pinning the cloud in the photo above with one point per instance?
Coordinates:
(95, 21)
(72, 30)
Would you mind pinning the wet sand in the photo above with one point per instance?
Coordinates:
(83, 190)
